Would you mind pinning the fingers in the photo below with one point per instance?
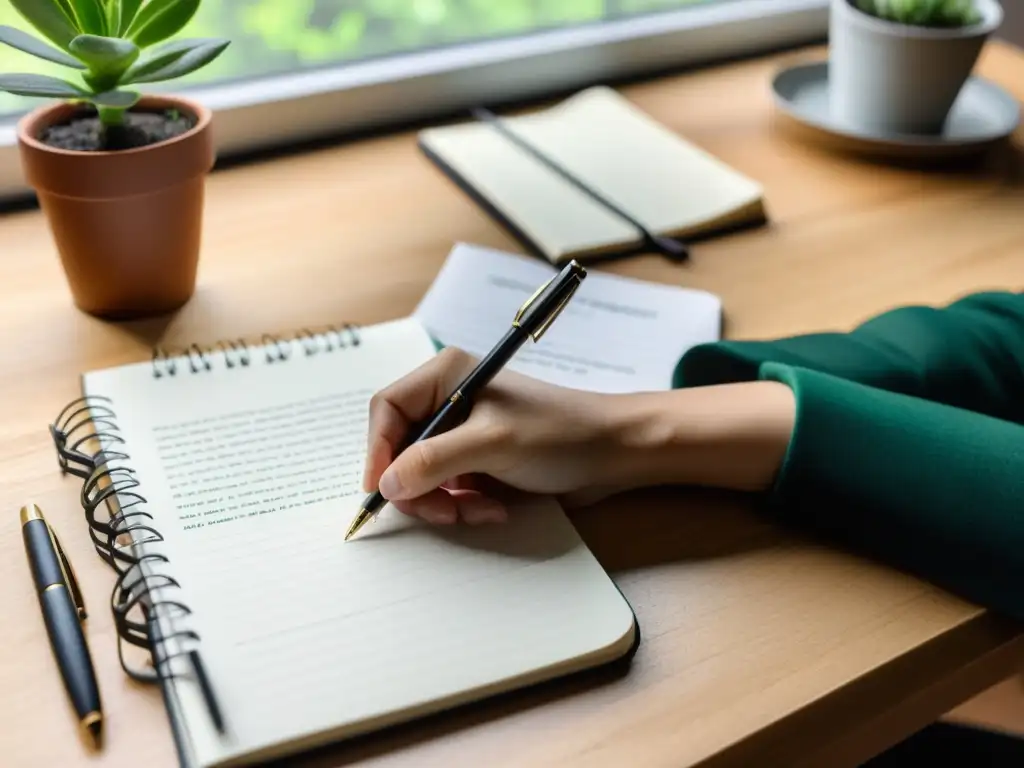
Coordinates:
(427, 465)
(441, 507)
(387, 429)
(412, 398)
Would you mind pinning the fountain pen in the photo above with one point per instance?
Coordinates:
(532, 320)
(63, 611)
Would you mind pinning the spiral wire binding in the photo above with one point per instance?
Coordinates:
(121, 529)
(236, 353)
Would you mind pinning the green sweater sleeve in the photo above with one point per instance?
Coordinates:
(909, 439)
(969, 354)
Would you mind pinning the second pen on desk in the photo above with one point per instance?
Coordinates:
(531, 322)
(63, 611)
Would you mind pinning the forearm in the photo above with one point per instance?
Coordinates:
(731, 436)
(928, 488)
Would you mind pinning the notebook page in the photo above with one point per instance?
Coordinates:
(547, 208)
(616, 335)
(662, 180)
(252, 477)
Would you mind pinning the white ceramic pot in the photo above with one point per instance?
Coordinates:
(890, 78)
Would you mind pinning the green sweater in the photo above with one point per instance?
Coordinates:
(909, 439)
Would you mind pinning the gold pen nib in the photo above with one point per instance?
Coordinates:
(358, 523)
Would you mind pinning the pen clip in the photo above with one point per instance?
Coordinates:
(529, 302)
(556, 311)
(69, 574)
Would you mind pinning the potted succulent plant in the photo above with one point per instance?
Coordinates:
(897, 66)
(119, 177)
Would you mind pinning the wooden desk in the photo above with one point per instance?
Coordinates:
(759, 649)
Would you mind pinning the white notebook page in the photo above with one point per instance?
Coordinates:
(252, 477)
(616, 335)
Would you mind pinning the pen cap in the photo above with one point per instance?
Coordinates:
(42, 553)
(540, 310)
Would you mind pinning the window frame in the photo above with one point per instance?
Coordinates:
(336, 101)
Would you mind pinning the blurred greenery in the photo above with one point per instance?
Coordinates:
(275, 36)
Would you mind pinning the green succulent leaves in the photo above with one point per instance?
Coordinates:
(112, 43)
(104, 55)
(50, 18)
(91, 16)
(34, 46)
(157, 20)
(176, 59)
(923, 13)
(40, 85)
(44, 86)
(129, 10)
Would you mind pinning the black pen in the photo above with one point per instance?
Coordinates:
(531, 321)
(63, 611)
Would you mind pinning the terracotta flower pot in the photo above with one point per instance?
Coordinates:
(126, 223)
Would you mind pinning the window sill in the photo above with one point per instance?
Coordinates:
(280, 110)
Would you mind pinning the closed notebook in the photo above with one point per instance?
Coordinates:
(237, 469)
(620, 169)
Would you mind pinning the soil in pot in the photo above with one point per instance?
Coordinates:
(85, 132)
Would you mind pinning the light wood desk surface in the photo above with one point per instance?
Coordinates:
(759, 650)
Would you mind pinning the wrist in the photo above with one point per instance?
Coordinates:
(731, 436)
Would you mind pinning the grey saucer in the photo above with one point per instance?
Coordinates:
(983, 114)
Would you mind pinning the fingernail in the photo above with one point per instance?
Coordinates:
(390, 486)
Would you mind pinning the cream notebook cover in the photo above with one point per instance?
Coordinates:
(610, 147)
(249, 460)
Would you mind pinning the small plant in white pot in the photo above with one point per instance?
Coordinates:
(897, 66)
(119, 176)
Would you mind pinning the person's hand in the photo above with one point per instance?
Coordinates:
(521, 432)
(579, 446)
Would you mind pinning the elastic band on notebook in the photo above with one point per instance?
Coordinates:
(667, 246)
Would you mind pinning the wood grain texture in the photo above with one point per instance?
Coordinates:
(759, 648)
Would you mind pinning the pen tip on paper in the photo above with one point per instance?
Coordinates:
(358, 523)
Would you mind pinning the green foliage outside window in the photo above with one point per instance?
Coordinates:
(275, 36)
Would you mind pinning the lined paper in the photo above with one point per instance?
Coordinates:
(253, 462)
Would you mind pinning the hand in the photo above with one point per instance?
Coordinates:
(523, 433)
(580, 446)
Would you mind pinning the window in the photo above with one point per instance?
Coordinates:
(302, 68)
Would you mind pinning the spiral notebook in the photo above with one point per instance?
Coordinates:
(218, 483)
(594, 176)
